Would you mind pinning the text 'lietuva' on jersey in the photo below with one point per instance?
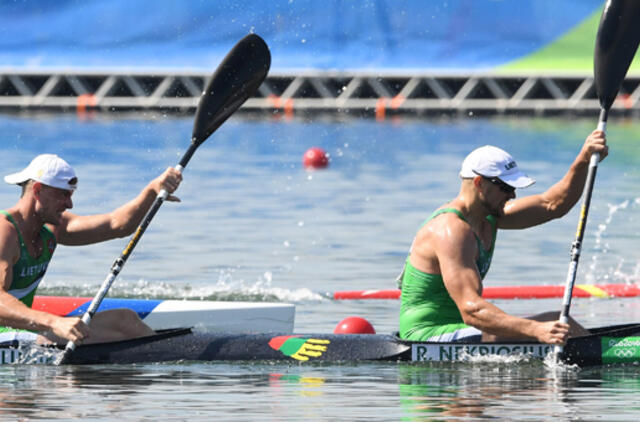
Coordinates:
(29, 271)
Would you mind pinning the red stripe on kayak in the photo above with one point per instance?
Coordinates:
(506, 292)
(58, 305)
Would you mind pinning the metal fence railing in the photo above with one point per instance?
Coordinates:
(352, 93)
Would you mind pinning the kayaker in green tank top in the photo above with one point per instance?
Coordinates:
(442, 280)
(428, 312)
(29, 233)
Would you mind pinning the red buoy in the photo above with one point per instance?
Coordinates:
(315, 158)
(354, 325)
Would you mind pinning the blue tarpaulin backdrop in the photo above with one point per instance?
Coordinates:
(302, 34)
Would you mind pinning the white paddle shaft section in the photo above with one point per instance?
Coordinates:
(602, 125)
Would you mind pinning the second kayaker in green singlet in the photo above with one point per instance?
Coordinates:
(428, 313)
(442, 280)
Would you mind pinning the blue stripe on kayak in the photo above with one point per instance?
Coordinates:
(141, 306)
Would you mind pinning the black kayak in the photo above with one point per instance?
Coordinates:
(605, 345)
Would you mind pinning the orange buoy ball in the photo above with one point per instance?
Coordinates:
(315, 158)
(354, 325)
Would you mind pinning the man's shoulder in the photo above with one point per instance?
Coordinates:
(446, 227)
(9, 239)
(448, 219)
(7, 228)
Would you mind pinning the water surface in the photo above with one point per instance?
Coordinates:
(253, 225)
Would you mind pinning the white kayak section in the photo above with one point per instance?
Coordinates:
(229, 317)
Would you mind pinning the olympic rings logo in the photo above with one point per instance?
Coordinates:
(624, 353)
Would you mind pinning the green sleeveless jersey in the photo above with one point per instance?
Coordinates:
(427, 310)
(29, 271)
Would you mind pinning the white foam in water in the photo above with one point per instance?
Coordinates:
(551, 364)
(226, 288)
(32, 354)
(557, 367)
(496, 359)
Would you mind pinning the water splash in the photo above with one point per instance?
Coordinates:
(29, 353)
(597, 270)
(557, 368)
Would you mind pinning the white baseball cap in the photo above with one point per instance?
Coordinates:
(490, 161)
(48, 169)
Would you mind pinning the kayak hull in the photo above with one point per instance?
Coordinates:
(606, 345)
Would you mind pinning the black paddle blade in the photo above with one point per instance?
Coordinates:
(616, 44)
(235, 80)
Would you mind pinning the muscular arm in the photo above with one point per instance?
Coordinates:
(456, 251)
(561, 197)
(83, 230)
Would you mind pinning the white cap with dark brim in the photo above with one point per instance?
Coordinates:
(490, 161)
(48, 169)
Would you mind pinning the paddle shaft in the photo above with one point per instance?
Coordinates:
(122, 259)
(124, 256)
(576, 247)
